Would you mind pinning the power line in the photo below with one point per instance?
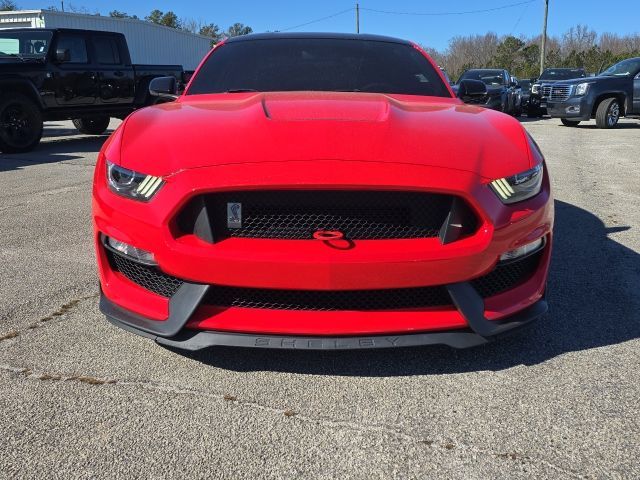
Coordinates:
(317, 20)
(520, 18)
(437, 14)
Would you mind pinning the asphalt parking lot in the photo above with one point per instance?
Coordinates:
(80, 398)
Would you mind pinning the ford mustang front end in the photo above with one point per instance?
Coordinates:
(300, 196)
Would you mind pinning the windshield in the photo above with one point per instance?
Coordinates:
(626, 68)
(318, 64)
(24, 44)
(562, 73)
(489, 77)
(525, 85)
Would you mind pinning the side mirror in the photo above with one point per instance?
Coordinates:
(469, 90)
(63, 55)
(164, 87)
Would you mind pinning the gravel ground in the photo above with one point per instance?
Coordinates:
(80, 398)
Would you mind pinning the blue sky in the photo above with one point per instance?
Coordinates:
(621, 16)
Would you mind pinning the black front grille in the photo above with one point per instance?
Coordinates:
(318, 300)
(505, 277)
(560, 92)
(358, 215)
(500, 279)
(149, 277)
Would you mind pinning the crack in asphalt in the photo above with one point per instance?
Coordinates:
(61, 311)
(441, 446)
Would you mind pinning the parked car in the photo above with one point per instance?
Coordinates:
(65, 74)
(541, 88)
(613, 94)
(525, 93)
(501, 89)
(321, 191)
(517, 102)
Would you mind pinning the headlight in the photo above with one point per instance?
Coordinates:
(519, 187)
(535, 88)
(128, 183)
(581, 89)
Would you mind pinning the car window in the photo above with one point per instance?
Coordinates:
(318, 64)
(106, 50)
(562, 74)
(27, 44)
(626, 68)
(489, 77)
(76, 45)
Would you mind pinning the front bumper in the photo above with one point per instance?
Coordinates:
(574, 108)
(310, 265)
(172, 333)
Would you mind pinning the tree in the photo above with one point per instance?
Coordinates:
(213, 31)
(579, 38)
(468, 51)
(119, 14)
(579, 46)
(168, 19)
(508, 54)
(77, 9)
(238, 29)
(190, 25)
(8, 6)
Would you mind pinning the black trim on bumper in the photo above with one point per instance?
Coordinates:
(171, 333)
(181, 306)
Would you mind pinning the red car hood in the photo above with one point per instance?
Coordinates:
(207, 130)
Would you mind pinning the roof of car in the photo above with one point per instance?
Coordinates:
(64, 30)
(318, 35)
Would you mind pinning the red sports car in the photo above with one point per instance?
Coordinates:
(321, 191)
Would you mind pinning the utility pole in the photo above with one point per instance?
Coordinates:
(543, 50)
(357, 17)
(62, 4)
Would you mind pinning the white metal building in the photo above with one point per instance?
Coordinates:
(148, 43)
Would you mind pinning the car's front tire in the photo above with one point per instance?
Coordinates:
(570, 123)
(92, 125)
(20, 124)
(608, 113)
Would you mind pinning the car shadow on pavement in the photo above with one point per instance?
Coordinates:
(54, 150)
(592, 298)
(592, 126)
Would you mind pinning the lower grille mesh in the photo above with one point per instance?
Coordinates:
(506, 277)
(146, 276)
(360, 300)
(500, 279)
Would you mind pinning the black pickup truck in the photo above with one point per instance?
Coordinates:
(64, 74)
(612, 94)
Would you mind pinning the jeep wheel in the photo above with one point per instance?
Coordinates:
(569, 123)
(92, 125)
(608, 113)
(20, 124)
